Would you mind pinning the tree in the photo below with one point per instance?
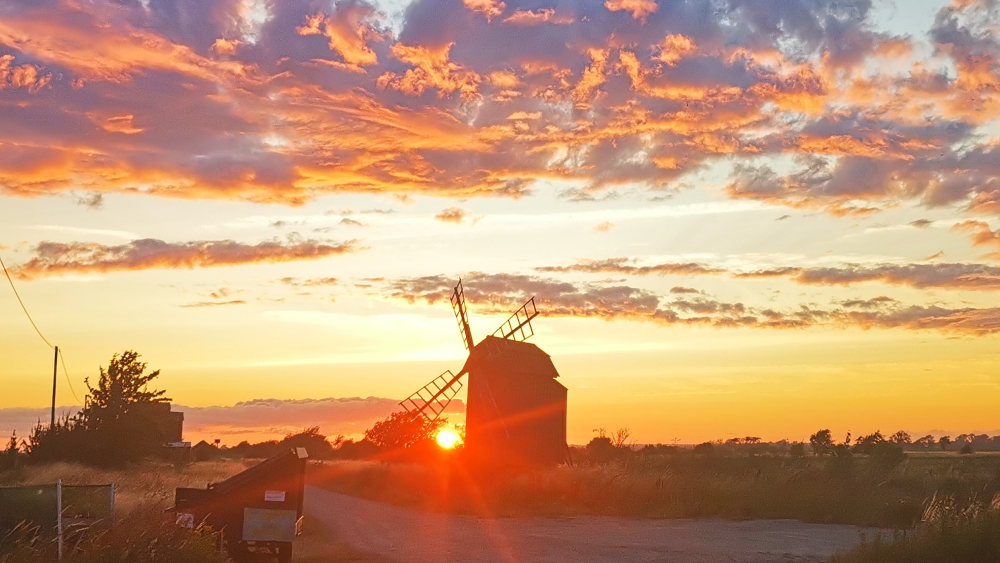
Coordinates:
(927, 442)
(902, 438)
(822, 442)
(119, 390)
(121, 422)
(619, 438)
(403, 430)
(944, 442)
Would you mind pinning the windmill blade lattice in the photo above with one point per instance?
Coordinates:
(518, 326)
(462, 315)
(431, 399)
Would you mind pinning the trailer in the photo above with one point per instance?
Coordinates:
(257, 512)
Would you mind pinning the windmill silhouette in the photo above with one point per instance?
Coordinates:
(516, 410)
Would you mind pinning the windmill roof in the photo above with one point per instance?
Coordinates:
(512, 356)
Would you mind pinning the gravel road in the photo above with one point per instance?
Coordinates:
(412, 536)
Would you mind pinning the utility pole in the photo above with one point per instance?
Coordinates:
(55, 371)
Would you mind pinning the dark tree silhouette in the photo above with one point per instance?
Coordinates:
(120, 390)
(403, 430)
(122, 420)
(822, 442)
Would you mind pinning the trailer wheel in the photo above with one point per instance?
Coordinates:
(285, 553)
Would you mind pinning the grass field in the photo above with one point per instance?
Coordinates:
(142, 532)
(824, 490)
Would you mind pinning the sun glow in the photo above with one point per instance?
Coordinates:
(447, 439)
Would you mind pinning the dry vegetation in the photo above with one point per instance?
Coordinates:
(950, 532)
(142, 532)
(680, 484)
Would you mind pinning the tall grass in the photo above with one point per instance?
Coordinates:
(825, 490)
(147, 485)
(141, 532)
(951, 532)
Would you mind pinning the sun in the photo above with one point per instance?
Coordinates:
(447, 439)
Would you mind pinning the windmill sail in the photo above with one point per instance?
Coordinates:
(431, 399)
(518, 326)
(462, 315)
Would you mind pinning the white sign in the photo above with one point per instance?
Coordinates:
(274, 496)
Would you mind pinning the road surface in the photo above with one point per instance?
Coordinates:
(413, 536)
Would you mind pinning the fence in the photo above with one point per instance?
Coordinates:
(57, 507)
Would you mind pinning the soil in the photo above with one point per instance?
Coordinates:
(358, 530)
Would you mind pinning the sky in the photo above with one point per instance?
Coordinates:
(738, 217)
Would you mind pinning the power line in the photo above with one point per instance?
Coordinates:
(62, 356)
(23, 308)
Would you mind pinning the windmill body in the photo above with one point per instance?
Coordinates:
(516, 410)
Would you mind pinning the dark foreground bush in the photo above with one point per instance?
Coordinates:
(948, 535)
(145, 537)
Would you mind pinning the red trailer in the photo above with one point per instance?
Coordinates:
(258, 512)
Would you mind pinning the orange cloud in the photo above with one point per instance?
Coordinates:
(489, 8)
(433, 70)
(53, 258)
(640, 9)
(21, 76)
(452, 215)
(674, 48)
(349, 31)
(652, 102)
(922, 276)
(537, 17)
(981, 235)
(226, 46)
(499, 293)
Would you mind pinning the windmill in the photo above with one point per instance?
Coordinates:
(516, 410)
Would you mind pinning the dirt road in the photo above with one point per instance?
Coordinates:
(411, 536)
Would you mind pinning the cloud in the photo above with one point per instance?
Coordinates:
(639, 8)
(683, 290)
(537, 17)
(452, 215)
(604, 227)
(26, 76)
(489, 8)
(981, 235)
(258, 419)
(922, 276)
(53, 258)
(501, 293)
(208, 101)
(311, 282)
(274, 418)
(214, 303)
(628, 267)
(94, 200)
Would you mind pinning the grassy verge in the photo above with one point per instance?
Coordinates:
(824, 490)
(141, 533)
(947, 535)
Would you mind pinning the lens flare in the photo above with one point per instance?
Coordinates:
(447, 439)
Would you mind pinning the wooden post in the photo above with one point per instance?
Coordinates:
(55, 372)
(59, 521)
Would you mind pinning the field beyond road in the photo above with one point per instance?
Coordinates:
(413, 536)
